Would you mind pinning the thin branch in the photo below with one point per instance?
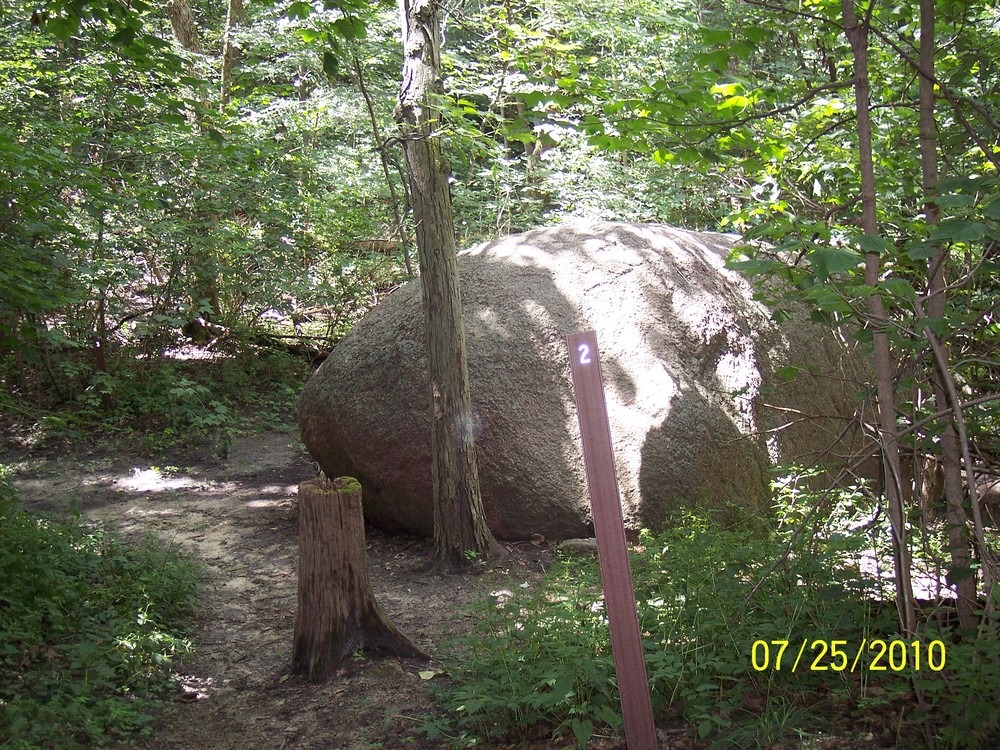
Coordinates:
(383, 158)
(946, 91)
(825, 131)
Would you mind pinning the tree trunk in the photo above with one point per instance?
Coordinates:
(950, 451)
(460, 530)
(857, 37)
(337, 612)
(202, 262)
(235, 16)
(182, 24)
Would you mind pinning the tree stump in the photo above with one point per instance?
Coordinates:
(337, 612)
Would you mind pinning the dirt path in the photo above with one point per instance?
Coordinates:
(239, 517)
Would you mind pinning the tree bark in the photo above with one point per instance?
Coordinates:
(337, 612)
(235, 16)
(182, 24)
(950, 450)
(857, 37)
(460, 531)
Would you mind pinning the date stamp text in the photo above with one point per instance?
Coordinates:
(875, 655)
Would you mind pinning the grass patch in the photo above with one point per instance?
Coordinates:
(89, 627)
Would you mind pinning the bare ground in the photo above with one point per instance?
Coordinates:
(239, 517)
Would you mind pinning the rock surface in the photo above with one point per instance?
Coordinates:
(688, 358)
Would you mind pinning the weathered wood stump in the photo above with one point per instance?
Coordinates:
(337, 612)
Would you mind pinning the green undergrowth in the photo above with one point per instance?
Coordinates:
(162, 404)
(89, 626)
(537, 664)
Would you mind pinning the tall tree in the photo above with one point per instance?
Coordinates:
(936, 303)
(183, 26)
(885, 373)
(460, 530)
(235, 17)
(203, 262)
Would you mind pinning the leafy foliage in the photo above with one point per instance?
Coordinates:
(88, 630)
(136, 214)
(537, 660)
(195, 405)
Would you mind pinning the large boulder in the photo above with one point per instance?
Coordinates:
(689, 361)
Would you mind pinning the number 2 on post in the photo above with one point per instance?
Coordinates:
(584, 354)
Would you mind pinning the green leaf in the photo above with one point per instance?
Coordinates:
(727, 89)
(827, 298)
(563, 687)
(582, 730)
(958, 230)
(756, 34)
(124, 37)
(309, 35)
(662, 157)
(954, 575)
(350, 27)
(298, 10)
(331, 66)
(172, 118)
(964, 184)
(715, 37)
(992, 209)
(829, 261)
(953, 200)
(787, 373)
(717, 60)
(920, 250)
(606, 714)
(899, 288)
(940, 326)
(705, 728)
(62, 27)
(755, 266)
(873, 243)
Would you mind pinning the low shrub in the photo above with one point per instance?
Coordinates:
(89, 627)
(167, 403)
(716, 608)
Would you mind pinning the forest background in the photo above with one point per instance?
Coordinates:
(195, 179)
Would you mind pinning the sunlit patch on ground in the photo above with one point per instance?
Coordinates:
(193, 688)
(152, 480)
(156, 479)
(191, 352)
(279, 495)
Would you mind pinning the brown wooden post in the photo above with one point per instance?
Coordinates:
(337, 612)
(616, 574)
